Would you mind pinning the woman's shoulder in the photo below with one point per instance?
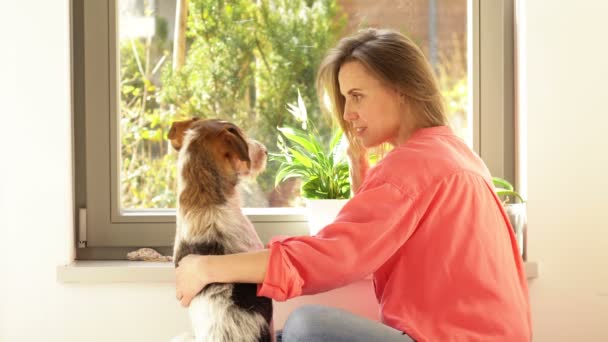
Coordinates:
(419, 163)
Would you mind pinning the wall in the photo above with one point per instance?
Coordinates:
(35, 196)
(412, 18)
(566, 77)
(567, 164)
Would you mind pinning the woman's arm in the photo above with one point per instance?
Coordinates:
(196, 271)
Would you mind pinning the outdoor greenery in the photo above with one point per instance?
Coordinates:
(148, 175)
(245, 60)
(451, 74)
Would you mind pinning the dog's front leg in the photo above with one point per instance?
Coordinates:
(176, 246)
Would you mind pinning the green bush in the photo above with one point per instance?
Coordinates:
(243, 60)
(147, 170)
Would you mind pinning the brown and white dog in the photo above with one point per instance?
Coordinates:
(213, 156)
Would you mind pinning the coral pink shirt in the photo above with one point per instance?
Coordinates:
(427, 224)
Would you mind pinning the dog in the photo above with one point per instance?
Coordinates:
(213, 155)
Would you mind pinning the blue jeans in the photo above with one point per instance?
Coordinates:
(320, 324)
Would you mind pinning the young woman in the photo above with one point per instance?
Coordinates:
(425, 221)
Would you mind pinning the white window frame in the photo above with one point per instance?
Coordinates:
(106, 232)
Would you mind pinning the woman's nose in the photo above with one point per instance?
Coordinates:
(349, 115)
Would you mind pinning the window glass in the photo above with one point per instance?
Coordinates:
(245, 61)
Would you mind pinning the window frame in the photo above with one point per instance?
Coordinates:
(110, 232)
(494, 71)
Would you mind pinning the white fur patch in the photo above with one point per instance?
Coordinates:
(215, 318)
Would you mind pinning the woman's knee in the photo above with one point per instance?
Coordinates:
(304, 322)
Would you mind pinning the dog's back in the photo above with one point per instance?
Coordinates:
(213, 155)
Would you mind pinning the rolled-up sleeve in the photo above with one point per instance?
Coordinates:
(370, 228)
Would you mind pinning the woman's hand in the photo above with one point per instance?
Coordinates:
(358, 165)
(190, 278)
(194, 272)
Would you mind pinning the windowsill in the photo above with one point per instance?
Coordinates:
(147, 272)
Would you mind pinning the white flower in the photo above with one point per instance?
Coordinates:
(299, 111)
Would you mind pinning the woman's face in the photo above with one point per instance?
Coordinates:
(374, 110)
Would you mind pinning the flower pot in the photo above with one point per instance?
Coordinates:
(322, 212)
(517, 214)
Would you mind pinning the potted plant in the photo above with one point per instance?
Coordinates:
(323, 170)
(515, 207)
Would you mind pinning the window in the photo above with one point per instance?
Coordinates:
(245, 61)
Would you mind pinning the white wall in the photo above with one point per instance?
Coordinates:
(567, 165)
(567, 94)
(35, 196)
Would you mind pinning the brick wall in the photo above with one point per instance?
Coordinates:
(411, 17)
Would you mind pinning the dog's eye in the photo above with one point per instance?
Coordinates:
(233, 130)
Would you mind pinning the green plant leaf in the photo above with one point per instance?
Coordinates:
(288, 171)
(502, 183)
(300, 158)
(504, 193)
(504, 189)
(298, 137)
(335, 139)
(312, 188)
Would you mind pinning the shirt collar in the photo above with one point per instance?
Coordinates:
(430, 131)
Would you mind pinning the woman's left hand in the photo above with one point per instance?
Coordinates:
(358, 165)
(190, 278)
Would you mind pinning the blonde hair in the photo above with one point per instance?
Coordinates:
(394, 59)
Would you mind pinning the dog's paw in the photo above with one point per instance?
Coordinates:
(185, 337)
(147, 254)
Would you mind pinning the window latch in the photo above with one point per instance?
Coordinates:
(82, 228)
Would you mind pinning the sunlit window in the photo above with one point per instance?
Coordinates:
(246, 61)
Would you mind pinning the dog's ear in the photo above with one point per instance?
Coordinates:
(239, 149)
(177, 132)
